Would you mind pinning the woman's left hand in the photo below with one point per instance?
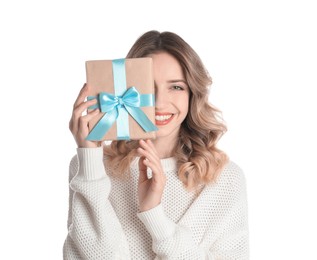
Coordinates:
(150, 190)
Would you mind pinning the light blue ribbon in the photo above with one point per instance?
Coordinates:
(117, 107)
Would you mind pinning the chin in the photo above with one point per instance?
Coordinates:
(166, 133)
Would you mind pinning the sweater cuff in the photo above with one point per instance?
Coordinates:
(157, 223)
(91, 165)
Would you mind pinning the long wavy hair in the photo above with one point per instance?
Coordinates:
(199, 160)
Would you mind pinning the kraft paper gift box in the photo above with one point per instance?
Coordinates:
(124, 89)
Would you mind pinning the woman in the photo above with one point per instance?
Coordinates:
(175, 197)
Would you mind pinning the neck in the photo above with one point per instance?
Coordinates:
(165, 146)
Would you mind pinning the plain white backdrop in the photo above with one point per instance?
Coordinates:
(262, 56)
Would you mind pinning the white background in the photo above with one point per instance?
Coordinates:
(263, 60)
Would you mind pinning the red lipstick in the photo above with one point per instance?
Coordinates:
(163, 118)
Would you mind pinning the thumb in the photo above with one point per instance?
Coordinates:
(143, 170)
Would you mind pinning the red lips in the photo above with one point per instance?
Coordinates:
(163, 118)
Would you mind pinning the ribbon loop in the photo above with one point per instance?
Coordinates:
(107, 102)
(110, 104)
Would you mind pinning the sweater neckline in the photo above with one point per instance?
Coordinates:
(168, 164)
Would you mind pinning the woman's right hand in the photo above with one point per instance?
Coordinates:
(78, 123)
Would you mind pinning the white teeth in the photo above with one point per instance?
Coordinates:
(163, 117)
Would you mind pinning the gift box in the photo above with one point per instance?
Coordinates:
(124, 89)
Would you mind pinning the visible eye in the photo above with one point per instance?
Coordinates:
(177, 87)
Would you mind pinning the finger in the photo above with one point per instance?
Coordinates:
(150, 144)
(143, 170)
(156, 169)
(148, 155)
(149, 147)
(158, 177)
(151, 162)
(80, 109)
(82, 95)
(148, 151)
(84, 120)
(152, 147)
(72, 125)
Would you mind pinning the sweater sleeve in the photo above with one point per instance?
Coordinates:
(220, 209)
(94, 231)
(171, 240)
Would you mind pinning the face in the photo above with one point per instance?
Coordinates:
(171, 95)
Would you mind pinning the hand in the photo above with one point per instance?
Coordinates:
(150, 190)
(78, 123)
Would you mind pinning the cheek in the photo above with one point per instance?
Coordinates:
(183, 105)
(186, 106)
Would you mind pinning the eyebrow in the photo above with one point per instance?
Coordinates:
(177, 80)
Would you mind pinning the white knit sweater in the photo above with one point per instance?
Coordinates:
(104, 222)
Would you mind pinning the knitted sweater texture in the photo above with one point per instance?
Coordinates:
(104, 222)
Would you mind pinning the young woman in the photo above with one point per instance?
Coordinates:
(175, 197)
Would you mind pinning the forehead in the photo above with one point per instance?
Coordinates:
(167, 66)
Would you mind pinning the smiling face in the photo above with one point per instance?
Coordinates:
(171, 95)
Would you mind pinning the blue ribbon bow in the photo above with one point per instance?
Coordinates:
(117, 108)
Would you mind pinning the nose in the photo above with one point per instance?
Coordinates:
(161, 98)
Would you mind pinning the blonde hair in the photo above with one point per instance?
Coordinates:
(199, 160)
